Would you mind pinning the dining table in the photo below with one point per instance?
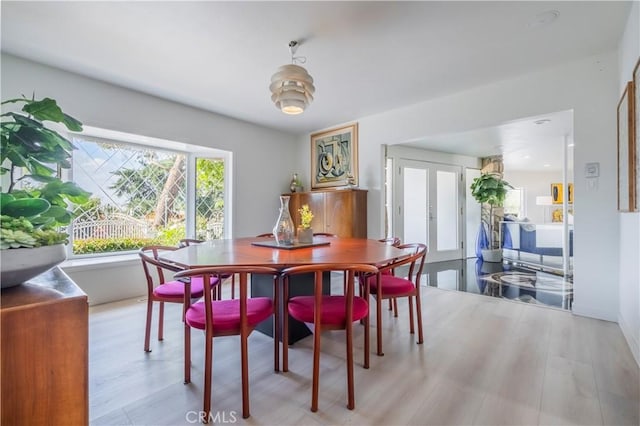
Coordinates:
(261, 251)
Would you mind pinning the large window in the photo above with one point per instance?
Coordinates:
(514, 203)
(144, 195)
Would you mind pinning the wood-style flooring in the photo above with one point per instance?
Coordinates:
(485, 361)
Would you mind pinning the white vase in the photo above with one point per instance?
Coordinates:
(22, 264)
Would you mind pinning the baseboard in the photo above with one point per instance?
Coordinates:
(592, 313)
(631, 338)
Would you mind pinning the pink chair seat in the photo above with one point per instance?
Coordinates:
(391, 285)
(226, 313)
(175, 290)
(333, 309)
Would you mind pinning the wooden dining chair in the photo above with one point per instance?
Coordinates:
(160, 290)
(228, 318)
(403, 282)
(328, 312)
(394, 242)
(217, 291)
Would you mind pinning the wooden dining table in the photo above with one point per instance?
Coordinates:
(247, 252)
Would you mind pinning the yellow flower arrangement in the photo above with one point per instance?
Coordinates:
(306, 216)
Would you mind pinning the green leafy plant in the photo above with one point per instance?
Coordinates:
(306, 216)
(36, 202)
(490, 189)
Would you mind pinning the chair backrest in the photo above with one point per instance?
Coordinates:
(324, 234)
(216, 271)
(149, 257)
(414, 262)
(392, 241)
(188, 241)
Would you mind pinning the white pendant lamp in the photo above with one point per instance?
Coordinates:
(292, 86)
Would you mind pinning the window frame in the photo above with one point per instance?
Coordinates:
(191, 153)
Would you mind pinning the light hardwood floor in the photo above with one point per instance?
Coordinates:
(485, 361)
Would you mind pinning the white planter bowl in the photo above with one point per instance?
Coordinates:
(20, 265)
(492, 255)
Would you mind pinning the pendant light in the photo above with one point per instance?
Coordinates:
(292, 86)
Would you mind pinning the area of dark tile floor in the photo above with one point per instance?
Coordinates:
(502, 280)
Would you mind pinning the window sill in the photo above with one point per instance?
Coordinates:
(100, 262)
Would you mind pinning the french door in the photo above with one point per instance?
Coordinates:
(427, 207)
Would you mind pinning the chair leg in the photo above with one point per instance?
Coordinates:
(395, 307)
(245, 377)
(411, 330)
(285, 326)
(379, 325)
(147, 331)
(350, 393)
(187, 353)
(208, 360)
(161, 322)
(367, 341)
(316, 366)
(276, 325)
(419, 315)
(390, 304)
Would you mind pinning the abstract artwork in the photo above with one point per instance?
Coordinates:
(334, 157)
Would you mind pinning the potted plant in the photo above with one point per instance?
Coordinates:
(490, 189)
(34, 201)
(305, 233)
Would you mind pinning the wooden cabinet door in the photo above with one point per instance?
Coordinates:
(315, 200)
(339, 212)
(346, 213)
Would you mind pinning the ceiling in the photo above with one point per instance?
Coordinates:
(365, 57)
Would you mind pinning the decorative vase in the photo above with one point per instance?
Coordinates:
(22, 264)
(305, 235)
(294, 182)
(284, 229)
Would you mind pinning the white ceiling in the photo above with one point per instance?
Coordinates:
(365, 57)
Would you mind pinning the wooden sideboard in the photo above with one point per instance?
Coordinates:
(44, 349)
(342, 212)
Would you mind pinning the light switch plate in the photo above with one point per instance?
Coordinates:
(592, 170)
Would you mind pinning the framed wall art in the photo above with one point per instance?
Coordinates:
(626, 151)
(334, 157)
(557, 193)
(636, 126)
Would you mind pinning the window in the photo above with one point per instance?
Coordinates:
(141, 194)
(514, 203)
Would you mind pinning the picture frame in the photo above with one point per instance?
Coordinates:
(626, 151)
(334, 157)
(557, 194)
(636, 126)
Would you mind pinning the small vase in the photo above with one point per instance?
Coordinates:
(305, 236)
(284, 230)
(294, 182)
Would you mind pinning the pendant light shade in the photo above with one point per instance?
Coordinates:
(291, 86)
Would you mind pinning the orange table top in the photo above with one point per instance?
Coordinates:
(240, 252)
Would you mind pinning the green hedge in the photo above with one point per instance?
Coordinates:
(106, 245)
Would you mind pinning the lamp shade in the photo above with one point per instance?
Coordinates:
(292, 89)
(544, 200)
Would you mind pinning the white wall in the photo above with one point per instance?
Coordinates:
(629, 264)
(588, 87)
(263, 158)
